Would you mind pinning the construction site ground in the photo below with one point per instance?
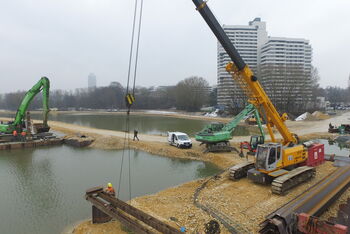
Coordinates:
(242, 202)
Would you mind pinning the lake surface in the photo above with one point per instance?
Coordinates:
(335, 148)
(42, 189)
(148, 124)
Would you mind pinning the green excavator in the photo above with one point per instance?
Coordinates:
(217, 136)
(19, 122)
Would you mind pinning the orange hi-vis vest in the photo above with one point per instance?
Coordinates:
(110, 190)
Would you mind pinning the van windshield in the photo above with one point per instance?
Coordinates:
(182, 137)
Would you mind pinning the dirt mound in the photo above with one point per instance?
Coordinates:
(319, 115)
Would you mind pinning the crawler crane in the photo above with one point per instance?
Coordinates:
(279, 163)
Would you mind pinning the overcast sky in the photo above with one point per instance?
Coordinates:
(65, 40)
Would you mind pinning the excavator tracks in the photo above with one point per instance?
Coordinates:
(282, 184)
(220, 147)
(240, 170)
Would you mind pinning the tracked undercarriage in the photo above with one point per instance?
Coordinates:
(279, 184)
(219, 147)
(282, 184)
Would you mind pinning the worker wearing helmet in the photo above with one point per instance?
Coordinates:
(110, 190)
(15, 135)
(24, 136)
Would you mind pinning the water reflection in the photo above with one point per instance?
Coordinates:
(334, 147)
(158, 125)
(42, 189)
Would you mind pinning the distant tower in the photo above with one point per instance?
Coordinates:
(349, 82)
(91, 81)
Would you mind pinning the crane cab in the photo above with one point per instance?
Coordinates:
(272, 160)
(267, 156)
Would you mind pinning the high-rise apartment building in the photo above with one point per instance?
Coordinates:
(285, 70)
(281, 64)
(248, 40)
(91, 81)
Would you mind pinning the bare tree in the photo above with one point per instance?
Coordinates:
(288, 86)
(192, 93)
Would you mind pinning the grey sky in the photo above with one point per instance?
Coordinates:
(67, 39)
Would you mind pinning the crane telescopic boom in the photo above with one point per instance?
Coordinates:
(281, 164)
(245, 77)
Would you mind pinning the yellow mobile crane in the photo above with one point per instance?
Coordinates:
(277, 162)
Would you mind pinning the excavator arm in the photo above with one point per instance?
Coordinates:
(247, 80)
(216, 134)
(247, 111)
(42, 85)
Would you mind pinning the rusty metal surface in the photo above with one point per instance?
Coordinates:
(99, 216)
(127, 214)
(343, 216)
(313, 201)
(310, 224)
(124, 219)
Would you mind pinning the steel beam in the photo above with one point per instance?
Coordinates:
(312, 202)
(129, 215)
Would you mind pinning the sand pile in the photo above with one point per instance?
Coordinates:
(319, 115)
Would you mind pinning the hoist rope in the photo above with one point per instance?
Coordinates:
(131, 46)
(137, 47)
(129, 98)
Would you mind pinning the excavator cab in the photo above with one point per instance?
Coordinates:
(255, 141)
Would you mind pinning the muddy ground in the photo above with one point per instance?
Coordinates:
(242, 203)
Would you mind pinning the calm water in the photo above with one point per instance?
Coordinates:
(335, 148)
(158, 125)
(42, 189)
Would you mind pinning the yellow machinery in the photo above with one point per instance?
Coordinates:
(277, 162)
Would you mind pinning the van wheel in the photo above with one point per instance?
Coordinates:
(177, 145)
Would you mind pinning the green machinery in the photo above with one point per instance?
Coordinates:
(216, 136)
(19, 123)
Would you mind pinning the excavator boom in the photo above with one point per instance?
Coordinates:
(42, 85)
(216, 134)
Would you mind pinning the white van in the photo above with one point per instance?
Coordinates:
(179, 139)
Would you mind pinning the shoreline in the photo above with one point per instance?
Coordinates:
(236, 199)
(166, 203)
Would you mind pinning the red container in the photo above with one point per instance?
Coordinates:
(315, 155)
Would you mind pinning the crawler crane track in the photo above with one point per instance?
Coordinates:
(282, 184)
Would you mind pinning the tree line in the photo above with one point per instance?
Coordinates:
(189, 94)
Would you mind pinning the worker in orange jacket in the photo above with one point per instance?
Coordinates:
(24, 136)
(110, 190)
(15, 135)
